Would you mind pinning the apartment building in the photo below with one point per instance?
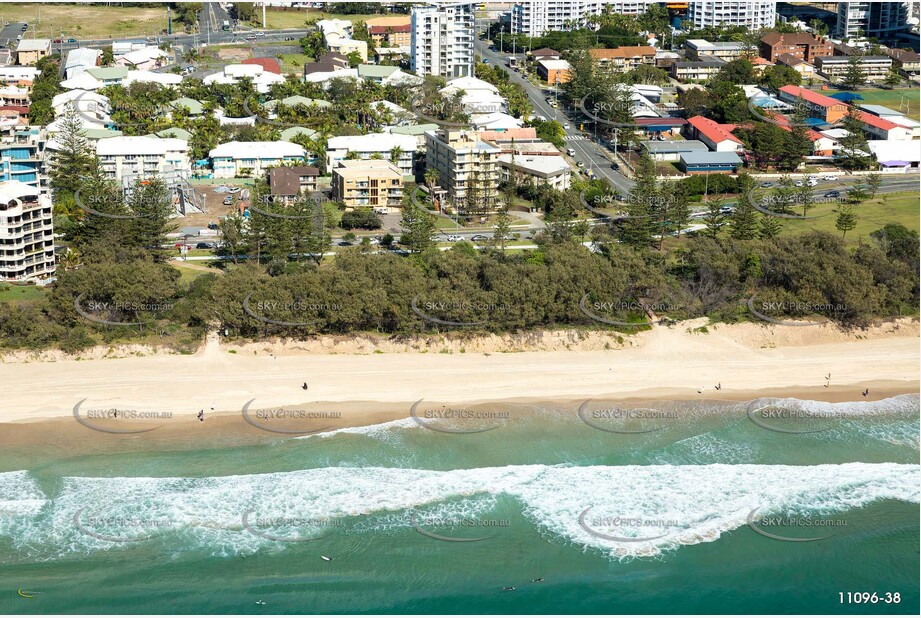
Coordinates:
(22, 156)
(801, 45)
(753, 15)
(554, 72)
(368, 184)
(700, 49)
(622, 59)
(537, 17)
(695, 70)
(552, 171)
(26, 232)
(908, 62)
(834, 68)
(252, 159)
(881, 20)
(442, 40)
(390, 31)
(468, 168)
(128, 158)
(372, 146)
(286, 183)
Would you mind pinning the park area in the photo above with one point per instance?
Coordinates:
(283, 19)
(85, 21)
(905, 100)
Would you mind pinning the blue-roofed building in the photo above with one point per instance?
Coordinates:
(22, 158)
(709, 162)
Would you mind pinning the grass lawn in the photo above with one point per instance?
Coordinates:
(889, 98)
(193, 271)
(294, 63)
(85, 21)
(279, 19)
(871, 216)
(20, 293)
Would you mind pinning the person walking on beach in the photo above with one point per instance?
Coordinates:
(201, 415)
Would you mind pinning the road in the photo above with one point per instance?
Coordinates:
(594, 156)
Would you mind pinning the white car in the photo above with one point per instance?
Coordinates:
(566, 126)
(799, 183)
(454, 238)
(831, 178)
(812, 182)
(234, 190)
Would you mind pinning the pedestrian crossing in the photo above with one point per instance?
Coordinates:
(576, 136)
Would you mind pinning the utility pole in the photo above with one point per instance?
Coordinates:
(263, 16)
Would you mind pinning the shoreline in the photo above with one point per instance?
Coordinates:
(677, 363)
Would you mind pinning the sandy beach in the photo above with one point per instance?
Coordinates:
(677, 362)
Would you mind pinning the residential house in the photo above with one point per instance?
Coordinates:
(144, 59)
(700, 49)
(253, 159)
(30, 51)
(26, 232)
(286, 183)
(718, 137)
(468, 168)
(623, 59)
(373, 146)
(233, 73)
(22, 156)
(80, 59)
(798, 64)
(368, 184)
(326, 63)
(908, 62)
(799, 44)
(544, 53)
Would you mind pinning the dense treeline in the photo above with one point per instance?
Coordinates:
(802, 276)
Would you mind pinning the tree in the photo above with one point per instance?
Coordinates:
(72, 161)
(150, 201)
(770, 227)
(846, 220)
(854, 149)
(431, 177)
(502, 229)
(854, 76)
(874, 181)
(743, 222)
(804, 198)
(636, 229)
(418, 229)
(894, 78)
(714, 218)
(232, 235)
(780, 75)
(738, 71)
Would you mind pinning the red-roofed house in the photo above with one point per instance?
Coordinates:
(818, 105)
(716, 136)
(880, 128)
(268, 64)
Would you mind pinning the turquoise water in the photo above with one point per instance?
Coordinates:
(682, 518)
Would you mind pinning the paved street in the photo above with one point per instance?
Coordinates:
(591, 154)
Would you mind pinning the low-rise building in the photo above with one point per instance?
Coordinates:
(468, 168)
(718, 137)
(26, 232)
(695, 70)
(545, 53)
(554, 72)
(817, 105)
(233, 73)
(286, 183)
(799, 44)
(384, 146)
(144, 59)
(553, 171)
(253, 159)
(30, 51)
(834, 68)
(80, 59)
(908, 62)
(390, 31)
(882, 129)
(796, 63)
(622, 59)
(709, 162)
(671, 150)
(370, 184)
(140, 157)
(700, 49)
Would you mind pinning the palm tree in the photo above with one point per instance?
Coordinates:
(395, 153)
(431, 177)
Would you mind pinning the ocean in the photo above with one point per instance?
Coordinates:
(769, 507)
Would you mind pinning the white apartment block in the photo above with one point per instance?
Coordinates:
(541, 16)
(753, 15)
(442, 40)
(139, 157)
(26, 232)
(881, 20)
(233, 159)
(372, 146)
(465, 164)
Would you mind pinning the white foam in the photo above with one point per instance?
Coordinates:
(703, 502)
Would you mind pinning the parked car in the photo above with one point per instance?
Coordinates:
(767, 185)
(485, 60)
(205, 245)
(832, 194)
(571, 152)
(234, 190)
(812, 182)
(479, 238)
(830, 178)
(726, 210)
(799, 183)
(289, 38)
(566, 127)
(228, 200)
(213, 226)
(71, 40)
(454, 238)
(57, 41)
(25, 27)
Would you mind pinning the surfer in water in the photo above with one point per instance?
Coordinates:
(507, 588)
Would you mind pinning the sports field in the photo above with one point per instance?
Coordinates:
(906, 100)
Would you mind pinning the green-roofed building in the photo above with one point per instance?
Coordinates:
(296, 100)
(175, 132)
(195, 108)
(94, 134)
(291, 132)
(375, 72)
(414, 129)
(109, 76)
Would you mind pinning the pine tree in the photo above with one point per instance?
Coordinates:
(854, 76)
(418, 229)
(846, 220)
(636, 230)
(770, 227)
(501, 231)
(152, 203)
(72, 161)
(874, 181)
(804, 198)
(714, 219)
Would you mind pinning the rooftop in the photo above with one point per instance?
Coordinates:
(256, 150)
(689, 145)
(704, 158)
(29, 45)
(712, 130)
(543, 165)
(796, 38)
(812, 97)
(139, 145)
(627, 51)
